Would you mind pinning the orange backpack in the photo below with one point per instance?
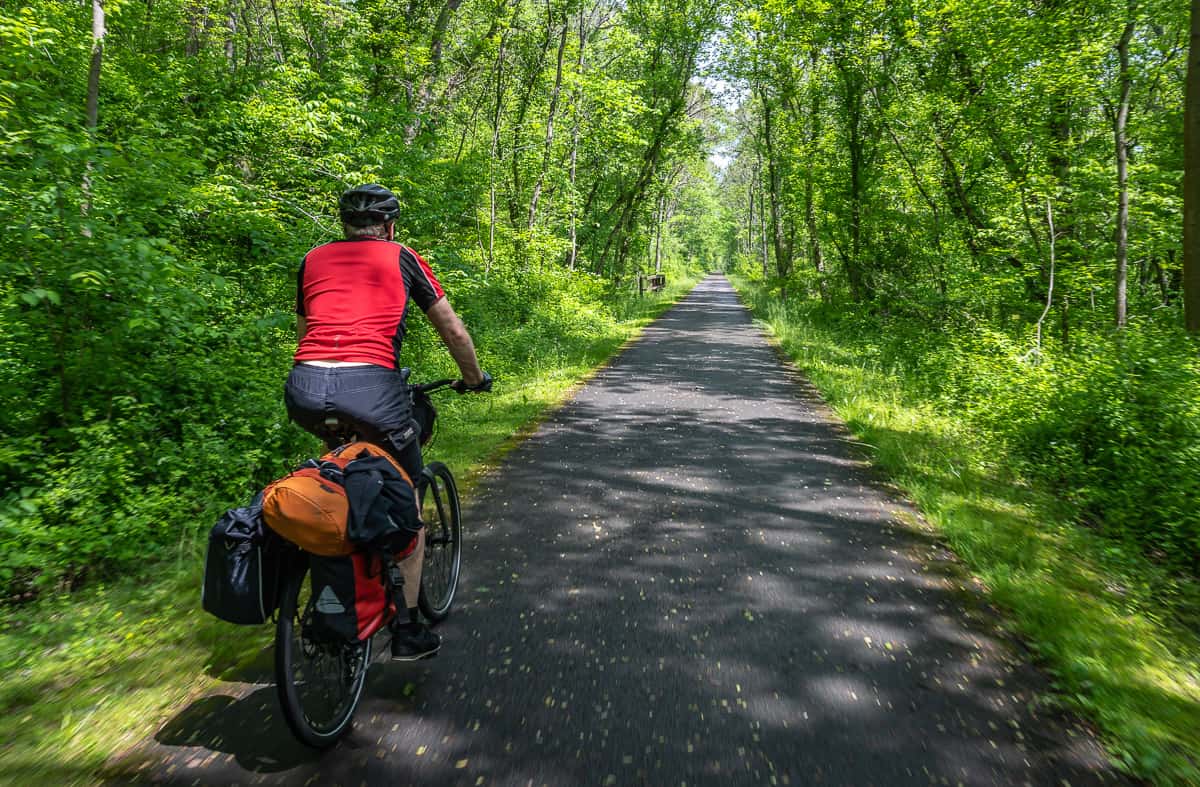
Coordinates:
(308, 506)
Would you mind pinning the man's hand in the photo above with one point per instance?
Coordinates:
(483, 386)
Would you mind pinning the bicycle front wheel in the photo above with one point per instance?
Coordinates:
(319, 680)
(443, 541)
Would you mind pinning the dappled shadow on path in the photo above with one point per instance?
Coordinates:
(214, 734)
(724, 618)
(250, 729)
(707, 584)
(689, 575)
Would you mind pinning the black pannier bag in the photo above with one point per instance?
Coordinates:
(383, 505)
(349, 596)
(242, 567)
(424, 413)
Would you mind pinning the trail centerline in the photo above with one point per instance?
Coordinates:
(687, 575)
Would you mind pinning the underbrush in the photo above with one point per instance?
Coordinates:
(1112, 426)
(84, 675)
(1066, 484)
(194, 429)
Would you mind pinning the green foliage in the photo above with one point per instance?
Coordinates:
(917, 153)
(85, 675)
(943, 178)
(1113, 426)
(960, 422)
(933, 189)
(148, 265)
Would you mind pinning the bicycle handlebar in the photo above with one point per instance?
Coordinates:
(457, 385)
(435, 385)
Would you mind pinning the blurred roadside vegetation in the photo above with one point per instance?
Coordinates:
(147, 284)
(991, 448)
(147, 264)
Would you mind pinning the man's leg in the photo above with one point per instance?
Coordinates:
(412, 640)
(410, 569)
(409, 456)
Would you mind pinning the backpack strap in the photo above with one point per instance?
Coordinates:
(330, 471)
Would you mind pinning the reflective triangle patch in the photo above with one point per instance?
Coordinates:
(329, 603)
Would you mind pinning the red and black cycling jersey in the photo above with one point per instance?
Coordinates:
(354, 295)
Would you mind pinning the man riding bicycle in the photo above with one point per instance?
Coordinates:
(352, 297)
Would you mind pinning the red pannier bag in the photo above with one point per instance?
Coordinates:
(350, 596)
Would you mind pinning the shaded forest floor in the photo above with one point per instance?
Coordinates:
(86, 674)
(1119, 652)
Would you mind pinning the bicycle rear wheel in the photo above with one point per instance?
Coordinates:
(443, 541)
(319, 681)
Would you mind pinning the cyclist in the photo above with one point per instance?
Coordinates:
(352, 297)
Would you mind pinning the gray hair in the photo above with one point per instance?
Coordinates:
(369, 231)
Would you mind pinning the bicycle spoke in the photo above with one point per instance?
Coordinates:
(442, 542)
(320, 680)
(438, 505)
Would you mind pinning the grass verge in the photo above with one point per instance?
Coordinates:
(86, 675)
(1116, 655)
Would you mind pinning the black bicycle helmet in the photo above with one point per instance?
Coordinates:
(363, 206)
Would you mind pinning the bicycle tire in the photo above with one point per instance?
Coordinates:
(440, 510)
(319, 682)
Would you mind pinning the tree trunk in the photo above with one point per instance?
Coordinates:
(573, 253)
(660, 216)
(852, 95)
(248, 26)
(549, 144)
(1120, 121)
(425, 90)
(495, 149)
(764, 251)
(758, 240)
(281, 42)
(577, 101)
(783, 252)
(198, 25)
(93, 83)
(749, 217)
(92, 106)
(1191, 181)
(810, 214)
(629, 198)
(1064, 314)
(668, 118)
(231, 26)
(814, 242)
(1160, 278)
(1050, 281)
(518, 129)
(1059, 159)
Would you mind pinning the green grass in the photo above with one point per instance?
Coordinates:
(1117, 653)
(85, 676)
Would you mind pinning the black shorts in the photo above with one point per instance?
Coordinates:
(373, 400)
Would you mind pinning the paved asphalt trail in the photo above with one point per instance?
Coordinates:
(687, 576)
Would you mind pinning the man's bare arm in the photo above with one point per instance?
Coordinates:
(301, 326)
(457, 340)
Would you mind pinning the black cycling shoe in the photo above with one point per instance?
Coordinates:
(413, 642)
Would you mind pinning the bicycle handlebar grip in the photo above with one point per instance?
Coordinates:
(484, 385)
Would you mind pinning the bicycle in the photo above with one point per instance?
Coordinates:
(320, 681)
